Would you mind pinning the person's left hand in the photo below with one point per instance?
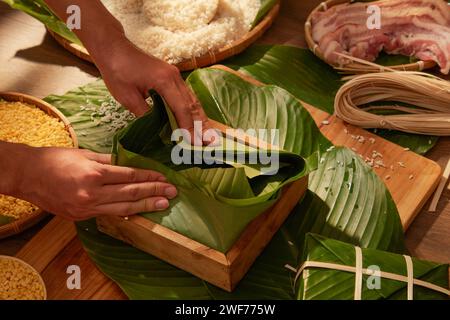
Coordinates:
(129, 74)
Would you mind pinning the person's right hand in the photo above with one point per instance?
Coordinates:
(78, 184)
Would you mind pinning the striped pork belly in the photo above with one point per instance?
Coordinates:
(419, 28)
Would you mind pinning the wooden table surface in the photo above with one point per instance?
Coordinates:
(32, 62)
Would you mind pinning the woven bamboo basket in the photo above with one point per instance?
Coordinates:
(355, 67)
(210, 58)
(28, 266)
(20, 225)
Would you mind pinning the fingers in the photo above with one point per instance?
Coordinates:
(194, 106)
(136, 192)
(126, 200)
(186, 108)
(198, 114)
(124, 175)
(134, 101)
(180, 103)
(131, 208)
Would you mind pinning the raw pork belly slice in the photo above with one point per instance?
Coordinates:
(419, 28)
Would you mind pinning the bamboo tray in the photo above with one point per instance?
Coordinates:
(210, 58)
(355, 67)
(20, 225)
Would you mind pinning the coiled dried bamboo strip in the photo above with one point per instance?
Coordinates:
(429, 95)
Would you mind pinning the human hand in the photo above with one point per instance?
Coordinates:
(129, 74)
(79, 184)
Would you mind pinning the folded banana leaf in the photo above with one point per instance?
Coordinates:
(320, 283)
(313, 81)
(237, 103)
(216, 202)
(38, 9)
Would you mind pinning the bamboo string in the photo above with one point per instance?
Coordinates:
(421, 65)
(363, 62)
(410, 280)
(324, 6)
(410, 275)
(358, 273)
(429, 94)
(440, 188)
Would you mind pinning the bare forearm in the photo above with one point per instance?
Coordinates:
(12, 162)
(99, 30)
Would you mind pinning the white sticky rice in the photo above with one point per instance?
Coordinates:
(176, 30)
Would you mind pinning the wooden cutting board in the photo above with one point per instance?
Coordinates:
(410, 178)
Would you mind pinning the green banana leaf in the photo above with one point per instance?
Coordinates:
(360, 209)
(38, 9)
(266, 6)
(142, 276)
(312, 81)
(4, 220)
(214, 205)
(297, 70)
(80, 106)
(417, 143)
(326, 284)
(385, 59)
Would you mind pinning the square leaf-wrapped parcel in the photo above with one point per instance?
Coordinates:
(333, 269)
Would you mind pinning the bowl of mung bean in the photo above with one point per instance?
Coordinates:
(20, 281)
